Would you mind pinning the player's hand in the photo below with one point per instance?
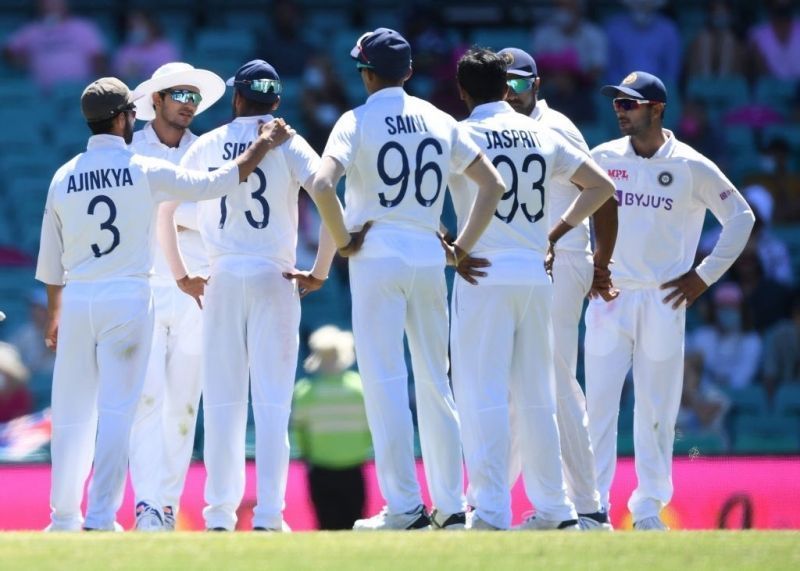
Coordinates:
(194, 286)
(549, 258)
(356, 241)
(602, 286)
(51, 333)
(306, 283)
(275, 132)
(466, 266)
(687, 287)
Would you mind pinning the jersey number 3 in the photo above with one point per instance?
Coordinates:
(258, 196)
(107, 225)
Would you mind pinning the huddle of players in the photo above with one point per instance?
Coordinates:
(512, 172)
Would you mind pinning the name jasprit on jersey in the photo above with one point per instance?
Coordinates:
(99, 179)
(508, 138)
(405, 124)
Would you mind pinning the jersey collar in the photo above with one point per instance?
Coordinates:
(488, 109)
(387, 92)
(665, 151)
(152, 138)
(540, 109)
(105, 142)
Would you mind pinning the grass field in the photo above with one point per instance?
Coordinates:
(762, 551)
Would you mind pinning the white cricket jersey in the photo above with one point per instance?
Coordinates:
(146, 142)
(560, 193)
(99, 217)
(245, 231)
(662, 204)
(398, 152)
(530, 157)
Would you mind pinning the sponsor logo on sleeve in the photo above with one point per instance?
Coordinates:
(726, 193)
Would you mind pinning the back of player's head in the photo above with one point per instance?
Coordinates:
(482, 75)
(257, 81)
(385, 52)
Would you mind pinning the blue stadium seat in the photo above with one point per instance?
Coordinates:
(790, 132)
(499, 38)
(766, 434)
(720, 94)
(750, 400)
(703, 444)
(221, 42)
(787, 400)
(775, 93)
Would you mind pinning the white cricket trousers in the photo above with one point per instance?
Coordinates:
(501, 351)
(572, 278)
(390, 297)
(639, 330)
(250, 339)
(162, 439)
(104, 341)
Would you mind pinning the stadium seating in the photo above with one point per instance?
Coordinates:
(699, 444)
(766, 434)
(787, 400)
(720, 94)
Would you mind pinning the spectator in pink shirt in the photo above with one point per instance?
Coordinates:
(145, 49)
(58, 47)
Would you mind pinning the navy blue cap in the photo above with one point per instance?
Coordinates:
(257, 80)
(639, 85)
(519, 62)
(385, 51)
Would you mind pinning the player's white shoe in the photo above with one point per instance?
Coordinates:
(449, 522)
(169, 518)
(148, 518)
(416, 519)
(652, 523)
(597, 521)
(283, 529)
(475, 523)
(117, 527)
(539, 524)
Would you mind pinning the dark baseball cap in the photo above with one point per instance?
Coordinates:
(258, 81)
(384, 51)
(105, 98)
(518, 62)
(639, 85)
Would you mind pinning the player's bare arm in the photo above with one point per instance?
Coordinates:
(311, 281)
(686, 288)
(270, 135)
(53, 315)
(467, 266)
(490, 190)
(605, 230)
(167, 234)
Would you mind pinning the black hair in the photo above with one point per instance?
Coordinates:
(102, 127)
(482, 74)
(251, 108)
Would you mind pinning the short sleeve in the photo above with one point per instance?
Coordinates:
(342, 140)
(303, 161)
(463, 149)
(49, 267)
(568, 158)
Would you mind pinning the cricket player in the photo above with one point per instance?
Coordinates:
(501, 332)
(573, 272)
(95, 256)
(398, 153)
(663, 188)
(162, 438)
(251, 312)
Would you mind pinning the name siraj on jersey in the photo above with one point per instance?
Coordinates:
(508, 138)
(99, 179)
(405, 124)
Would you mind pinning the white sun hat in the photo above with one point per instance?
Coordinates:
(332, 350)
(210, 85)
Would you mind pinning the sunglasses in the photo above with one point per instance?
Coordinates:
(626, 104)
(184, 96)
(520, 85)
(262, 85)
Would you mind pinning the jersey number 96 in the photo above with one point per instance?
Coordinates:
(402, 178)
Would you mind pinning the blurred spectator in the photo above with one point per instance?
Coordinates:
(643, 39)
(779, 178)
(564, 84)
(772, 251)
(695, 129)
(145, 48)
(282, 42)
(703, 405)
(29, 337)
(567, 36)
(767, 301)
(323, 101)
(729, 350)
(776, 42)
(782, 351)
(330, 425)
(15, 399)
(58, 47)
(716, 51)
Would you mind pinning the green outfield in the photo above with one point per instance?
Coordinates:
(764, 551)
